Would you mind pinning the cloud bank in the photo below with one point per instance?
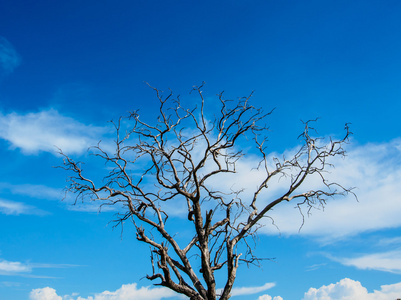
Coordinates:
(131, 291)
(126, 292)
(345, 289)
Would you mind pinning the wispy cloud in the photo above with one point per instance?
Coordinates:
(389, 261)
(10, 283)
(32, 190)
(8, 207)
(16, 268)
(315, 267)
(43, 192)
(347, 289)
(9, 58)
(241, 291)
(390, 241)
(91, 207)
(46, 130)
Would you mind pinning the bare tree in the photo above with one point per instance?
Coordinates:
(180, 159)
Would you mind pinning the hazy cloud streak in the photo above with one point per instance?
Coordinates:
(240, 291)
(8, 207)
(9, 58)
(32, 190)
(16, 268)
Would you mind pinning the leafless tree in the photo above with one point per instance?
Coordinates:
(177, 162)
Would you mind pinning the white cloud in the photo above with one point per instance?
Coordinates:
(348, 289)
(375, 171)
(44, 294)
(8, 207)
(239, 291)
(9, 58)
(386, 261)
(13, 267)
(46, 130)
(268, 297)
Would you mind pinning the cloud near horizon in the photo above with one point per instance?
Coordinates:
(131, 291)
(126, 292)
(348, 289)
(345, 289)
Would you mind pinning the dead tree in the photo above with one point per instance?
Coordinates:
(177, 161)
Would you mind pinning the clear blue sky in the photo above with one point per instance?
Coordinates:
(68, 67)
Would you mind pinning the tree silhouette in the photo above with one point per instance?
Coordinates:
(173, 166)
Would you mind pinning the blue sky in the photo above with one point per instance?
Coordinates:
(68, 67)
